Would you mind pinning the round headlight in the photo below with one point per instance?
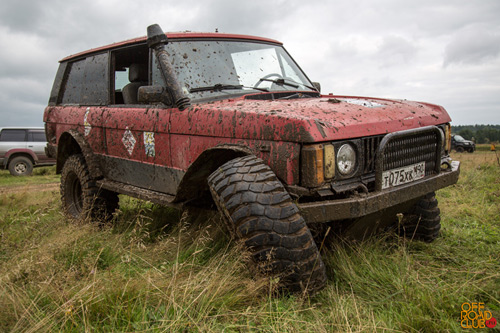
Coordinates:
(346, 159)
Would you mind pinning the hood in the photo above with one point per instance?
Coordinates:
(307, 120)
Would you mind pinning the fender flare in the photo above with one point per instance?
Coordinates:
(194, 182)
(66, 148)
(20, 151)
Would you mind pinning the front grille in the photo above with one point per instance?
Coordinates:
(402, 151)
(409, 147)
(410, 150)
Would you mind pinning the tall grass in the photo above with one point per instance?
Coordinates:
(155, 269)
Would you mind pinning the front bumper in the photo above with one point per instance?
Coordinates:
(332, 210)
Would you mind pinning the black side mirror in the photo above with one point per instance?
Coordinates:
(317, 85)
(153, 95)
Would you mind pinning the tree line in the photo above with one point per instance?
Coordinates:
(478, 133)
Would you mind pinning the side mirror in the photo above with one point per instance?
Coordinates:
(317, 85)
(153, 95)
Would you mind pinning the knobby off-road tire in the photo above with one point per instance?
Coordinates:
(423, 221)
(21, 166)
(259, 212)
(81, 198)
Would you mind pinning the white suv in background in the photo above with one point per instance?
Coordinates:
(21, 149)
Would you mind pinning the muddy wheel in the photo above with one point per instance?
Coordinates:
(460, 149)
(259, 212)
(423, 221)
(80, 196)
(21, 166)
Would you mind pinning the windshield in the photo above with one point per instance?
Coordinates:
(459, 138)
(217, 68)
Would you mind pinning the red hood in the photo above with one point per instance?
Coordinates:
(309, 119)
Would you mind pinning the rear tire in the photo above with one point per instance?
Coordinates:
(260, 212)
(423, 221)
(80, 196)
(460, 149)
(21, 166)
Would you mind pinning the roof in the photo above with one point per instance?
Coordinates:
(175, 35)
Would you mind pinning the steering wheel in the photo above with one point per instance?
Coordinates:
(279, 76)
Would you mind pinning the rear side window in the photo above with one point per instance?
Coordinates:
(38, 136)
(87, 81)
(13, 135)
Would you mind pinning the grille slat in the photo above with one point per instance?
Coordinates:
(370, 146)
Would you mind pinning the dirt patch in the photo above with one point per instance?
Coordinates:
(29, 188)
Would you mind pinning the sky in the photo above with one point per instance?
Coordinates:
(445, 52)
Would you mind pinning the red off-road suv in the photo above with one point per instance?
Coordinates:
(195, 118)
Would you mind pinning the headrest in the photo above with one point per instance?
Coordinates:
(138, 73)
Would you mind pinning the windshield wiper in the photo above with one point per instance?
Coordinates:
(220, 87)
(283, 82)
(280, 82)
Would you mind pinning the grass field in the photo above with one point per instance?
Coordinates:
(154, 269)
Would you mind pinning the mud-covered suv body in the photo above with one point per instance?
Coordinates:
(233, 120)
(21, 149)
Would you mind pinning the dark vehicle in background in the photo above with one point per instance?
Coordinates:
(21, 149)
(459, 144)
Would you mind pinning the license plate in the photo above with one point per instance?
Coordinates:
(404, 175)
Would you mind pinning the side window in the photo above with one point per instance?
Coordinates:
(95, 89)
(87, 81)
(73, 88)
(17, 135)
(130, 71)
(36, 136)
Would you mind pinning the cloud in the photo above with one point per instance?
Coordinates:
(396, 50)
(473, 46)
(426, 50)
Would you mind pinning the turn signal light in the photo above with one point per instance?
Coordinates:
(312, 165)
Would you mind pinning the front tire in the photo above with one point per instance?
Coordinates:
(21, 166)
(423, 221)
(80, 196)
(260, 212)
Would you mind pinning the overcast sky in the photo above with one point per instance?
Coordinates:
(445, 52)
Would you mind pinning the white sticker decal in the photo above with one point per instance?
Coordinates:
(86, 123)
(129, 141)
(149, 143)
(362, 102)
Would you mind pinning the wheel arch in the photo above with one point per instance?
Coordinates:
(193, 185)
(72, 142)
(18, 152)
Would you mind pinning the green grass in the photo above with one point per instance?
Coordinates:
(154, 269)
(41, 175)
